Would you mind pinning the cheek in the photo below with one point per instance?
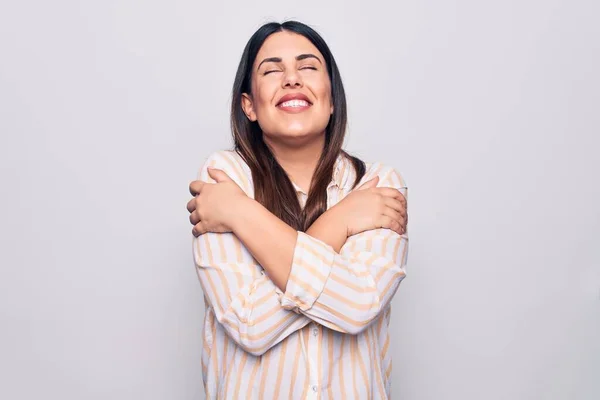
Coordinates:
(323, 89)
(264, 96)
(327, 100)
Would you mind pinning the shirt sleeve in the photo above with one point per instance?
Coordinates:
(244, 300)
(349, 290)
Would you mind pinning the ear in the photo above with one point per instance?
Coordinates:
(248, 107)
(331, 112)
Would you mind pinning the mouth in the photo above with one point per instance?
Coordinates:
(295, 102)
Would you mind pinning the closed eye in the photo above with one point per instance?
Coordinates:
(273, 70)
(309, 67)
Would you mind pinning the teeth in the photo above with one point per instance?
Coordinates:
(295, 103)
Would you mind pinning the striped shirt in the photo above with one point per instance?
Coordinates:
(327, 336)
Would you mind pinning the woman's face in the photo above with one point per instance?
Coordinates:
(291, 91)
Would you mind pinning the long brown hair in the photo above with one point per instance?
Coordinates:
(272, 186)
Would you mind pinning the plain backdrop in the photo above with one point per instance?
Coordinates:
(490, 110)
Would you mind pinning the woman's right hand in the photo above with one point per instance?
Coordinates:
(371, 207)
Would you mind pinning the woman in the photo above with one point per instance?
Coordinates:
(299, 246)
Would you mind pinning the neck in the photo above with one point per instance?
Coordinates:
(298, 161)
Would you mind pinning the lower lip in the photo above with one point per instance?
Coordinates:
(294, 110)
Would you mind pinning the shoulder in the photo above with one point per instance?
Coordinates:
(225, 159)
(388, 176)
(232, 164)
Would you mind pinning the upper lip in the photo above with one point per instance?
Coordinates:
(293, 96)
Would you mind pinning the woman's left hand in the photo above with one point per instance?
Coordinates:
(214, 205)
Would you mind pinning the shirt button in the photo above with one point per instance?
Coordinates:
(314, 388)
(315, 332)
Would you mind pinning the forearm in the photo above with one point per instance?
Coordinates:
(240, 297)
(270, 240)
(346, 291)
(330, 229)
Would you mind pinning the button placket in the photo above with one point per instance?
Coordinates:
(313, 348)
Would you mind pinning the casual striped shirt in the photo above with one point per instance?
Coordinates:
(327, 336)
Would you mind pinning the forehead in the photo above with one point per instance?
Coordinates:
(286, 45)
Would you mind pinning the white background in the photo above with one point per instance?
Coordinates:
(490, 110)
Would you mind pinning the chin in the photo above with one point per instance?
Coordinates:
(296, 132)
(303, 134)
(289, 131)
(297, 129)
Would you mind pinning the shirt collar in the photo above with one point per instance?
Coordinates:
(339, 174)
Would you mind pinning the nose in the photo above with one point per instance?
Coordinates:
(292, 79)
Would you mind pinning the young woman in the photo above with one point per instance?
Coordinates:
(299, 246)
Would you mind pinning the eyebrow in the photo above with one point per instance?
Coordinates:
(298, 58)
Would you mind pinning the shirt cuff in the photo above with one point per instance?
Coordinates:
(311, 266)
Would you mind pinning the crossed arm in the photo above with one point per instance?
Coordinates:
(306, 278)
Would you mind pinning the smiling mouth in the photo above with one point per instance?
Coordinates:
(294, 104)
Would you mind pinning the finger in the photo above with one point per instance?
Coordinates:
(196, 187)
(198, 229)
(391, 192)
(194, 218)
(191, 205)
(390, 223)
(398, 222)
(403, 200)
(393, 214)
(394, 204)
(218, 175)
(371, 183)
(395, 194)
